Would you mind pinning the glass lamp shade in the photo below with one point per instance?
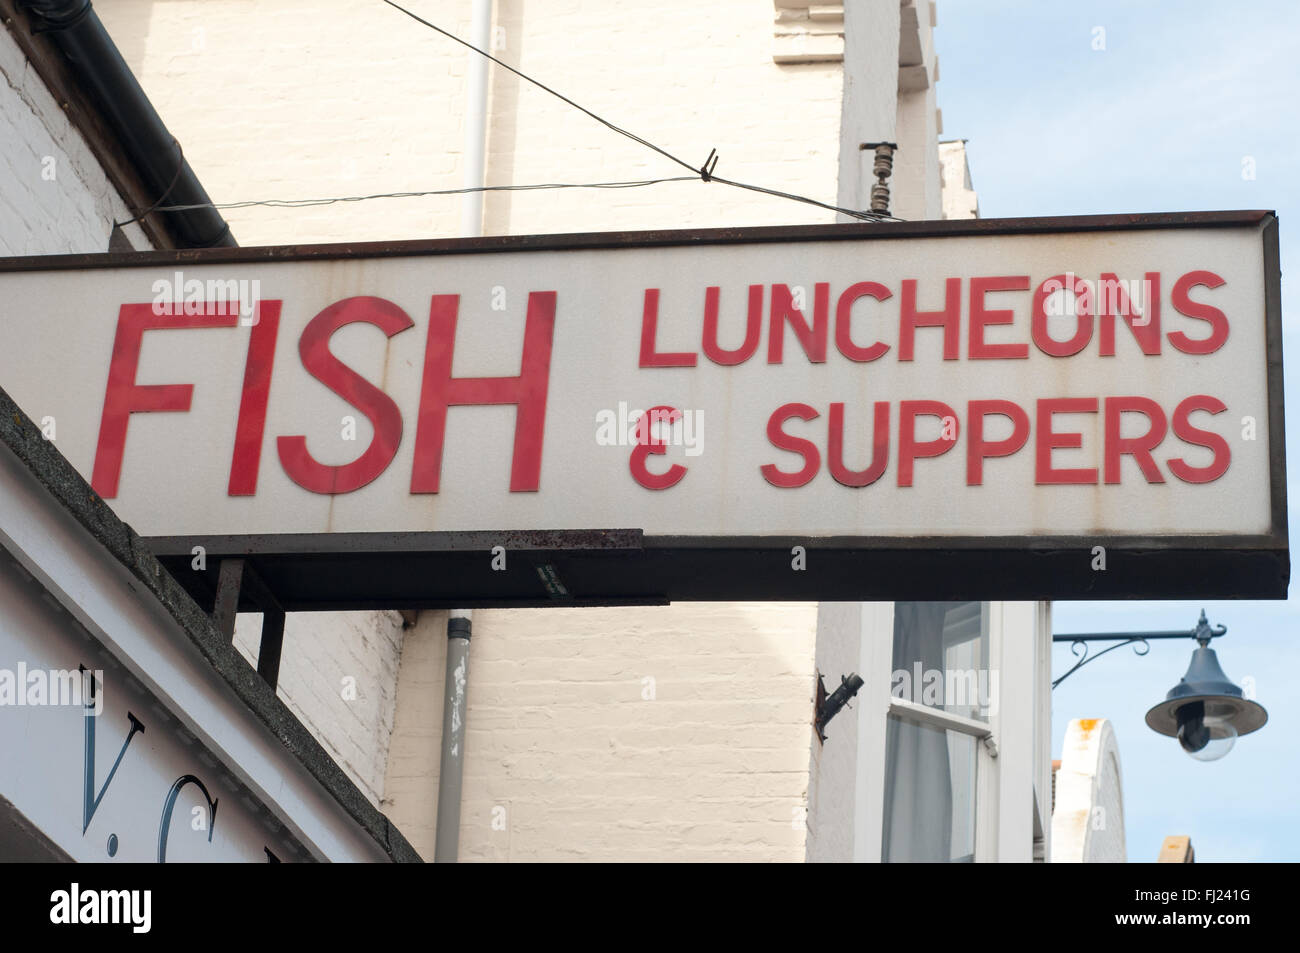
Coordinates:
(1205, 711)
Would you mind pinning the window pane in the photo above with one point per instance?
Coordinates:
(929, 794)
(941, 652)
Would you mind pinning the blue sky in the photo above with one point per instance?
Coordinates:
(1160, 120)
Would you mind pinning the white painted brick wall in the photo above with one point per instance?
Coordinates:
(54, 197)
(959, 199)
(833, 766)
(914, 185)
(572, 760)
(304, 98)
(322, 651)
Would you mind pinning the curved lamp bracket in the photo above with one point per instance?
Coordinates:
(1080, 647)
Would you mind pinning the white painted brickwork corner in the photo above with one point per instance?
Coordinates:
(56, 198)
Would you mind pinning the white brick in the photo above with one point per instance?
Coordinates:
(72, 213)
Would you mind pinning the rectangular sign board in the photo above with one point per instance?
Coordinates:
(1001, 409)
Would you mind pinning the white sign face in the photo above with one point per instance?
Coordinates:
(107, 773)
(1104, 383)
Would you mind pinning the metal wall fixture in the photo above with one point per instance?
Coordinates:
(828, 706)
(882, 169)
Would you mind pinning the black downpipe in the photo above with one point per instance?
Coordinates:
(77, 31)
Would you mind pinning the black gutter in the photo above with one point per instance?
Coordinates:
(76, 30)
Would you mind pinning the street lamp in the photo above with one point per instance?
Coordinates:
(1205, 711)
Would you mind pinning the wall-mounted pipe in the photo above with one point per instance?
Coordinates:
(476, 112)
(451, 768)
(451, 765)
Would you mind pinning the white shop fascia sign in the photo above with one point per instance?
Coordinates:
(952, 387)
(99, 766)
(131, 729)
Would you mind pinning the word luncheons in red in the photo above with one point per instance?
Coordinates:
(963, 302)
(968, 326)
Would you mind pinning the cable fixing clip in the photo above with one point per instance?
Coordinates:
(711, 163)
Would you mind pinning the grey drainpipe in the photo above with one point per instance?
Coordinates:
(78, 33)
(451, 767)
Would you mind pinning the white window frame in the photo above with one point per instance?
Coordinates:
(1011, 762)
